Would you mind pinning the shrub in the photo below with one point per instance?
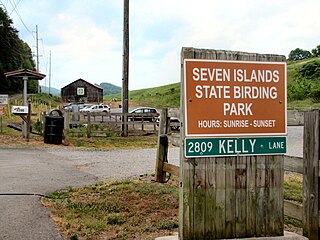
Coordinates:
(299, 90)
(315, 95)
(310, 70)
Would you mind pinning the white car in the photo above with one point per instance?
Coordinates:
(96, 108)
(174, 123)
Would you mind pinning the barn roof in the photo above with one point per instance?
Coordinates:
(33, 75)
(80, 79)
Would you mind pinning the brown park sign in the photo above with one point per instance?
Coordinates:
(234, 98)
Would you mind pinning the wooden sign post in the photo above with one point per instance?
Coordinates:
(233, 113)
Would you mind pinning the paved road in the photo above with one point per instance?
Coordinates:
(28, 171)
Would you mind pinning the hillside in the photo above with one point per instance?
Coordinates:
(53, 91)
(159, 97)
(304, 82)
(109, 88)
(303, 88)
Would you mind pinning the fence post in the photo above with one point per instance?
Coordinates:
(1, 129)
(28, 121)
(89, 124)
(66, 123)
(162, 150)
(311, 175)
(161, 158)
(164, 123)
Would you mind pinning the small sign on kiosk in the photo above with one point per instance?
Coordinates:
(20, 110)
(4, 99)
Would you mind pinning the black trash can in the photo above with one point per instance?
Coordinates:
(53, 127)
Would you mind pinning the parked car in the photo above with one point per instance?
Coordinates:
(70, 106)
(86, 107)
(174, 123)
(142, 113)
(96, 108)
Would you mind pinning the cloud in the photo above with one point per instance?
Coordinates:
(85, 50)
(86, 36)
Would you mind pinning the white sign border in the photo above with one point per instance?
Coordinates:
(230, 134)
(234, 155)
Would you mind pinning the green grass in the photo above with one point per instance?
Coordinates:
(303, 104)
(293, 187)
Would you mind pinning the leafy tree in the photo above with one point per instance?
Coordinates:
(316, 51)
(15, 54)
(299, 54)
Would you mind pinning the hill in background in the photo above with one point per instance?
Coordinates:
(304, 82)
(303, 88)
(53, 91)
(159, 97)
(109, 88)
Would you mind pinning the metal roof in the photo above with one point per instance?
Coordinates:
(80, 79)
(33, 75)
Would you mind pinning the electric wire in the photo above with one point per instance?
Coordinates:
(18, 14)
(15, 6)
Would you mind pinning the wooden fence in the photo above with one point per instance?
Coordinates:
(100, 124)
(308, 166)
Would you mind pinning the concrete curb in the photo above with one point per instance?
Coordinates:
(287, 236)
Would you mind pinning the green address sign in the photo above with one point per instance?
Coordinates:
(210, 147)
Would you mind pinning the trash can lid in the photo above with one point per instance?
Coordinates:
(54, 112)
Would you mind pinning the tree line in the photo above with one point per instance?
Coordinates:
(15, 54)
(300, 54)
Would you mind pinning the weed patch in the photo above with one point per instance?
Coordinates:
(293, 187)
(132, 209)
(128, 209)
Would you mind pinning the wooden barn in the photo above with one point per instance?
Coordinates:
(82, 91)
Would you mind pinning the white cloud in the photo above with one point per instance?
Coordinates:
(85, 50)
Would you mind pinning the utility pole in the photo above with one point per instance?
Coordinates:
(125, 69)
(49, 72)
(37, 47)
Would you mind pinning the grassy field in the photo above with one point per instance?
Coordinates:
(159, 97)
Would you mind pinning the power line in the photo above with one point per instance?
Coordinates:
(15, 6)
(18, 14)
(5, 8)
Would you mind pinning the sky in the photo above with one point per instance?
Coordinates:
(85, 37)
